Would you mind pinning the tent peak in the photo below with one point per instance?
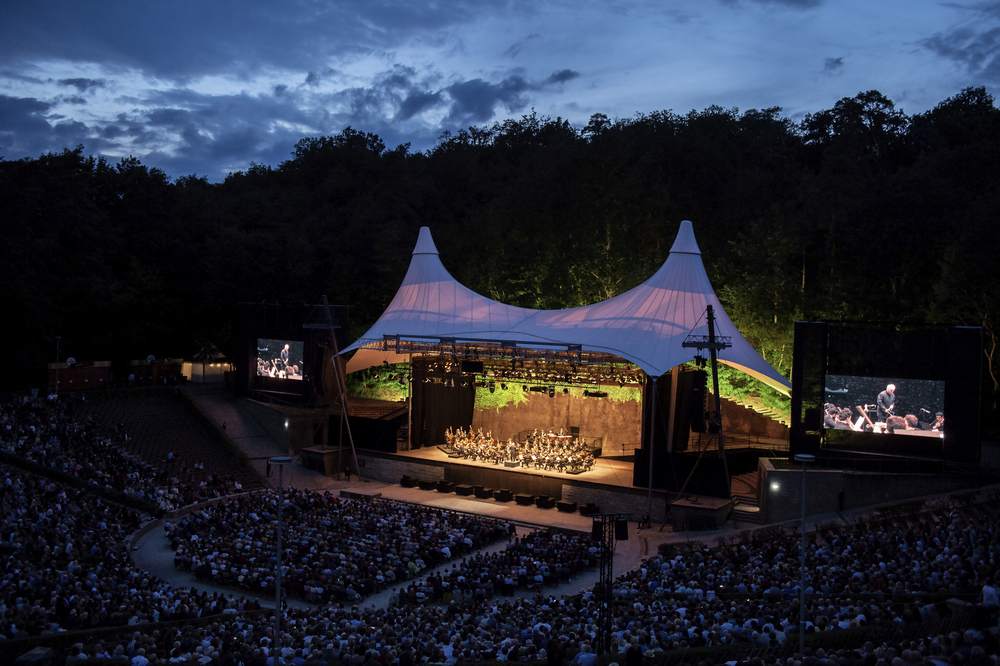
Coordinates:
(685, 242)
(425, 244)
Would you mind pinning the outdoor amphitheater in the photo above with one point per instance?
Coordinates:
(137, 528)
(528, 498)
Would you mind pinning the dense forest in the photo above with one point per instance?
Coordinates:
(859, 212)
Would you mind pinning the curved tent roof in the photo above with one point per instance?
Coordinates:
(645, 325)
(431, 303)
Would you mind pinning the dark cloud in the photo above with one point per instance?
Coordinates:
(189, 38)
(831, 65)
(316, 78)
(280, 90)
(474, 101)
(417, 102)
(562, 76)
(519, 45)
(15, 76)
(976, 50)
(27, 129)
(82, 84)
(398, 77)
(75, 99)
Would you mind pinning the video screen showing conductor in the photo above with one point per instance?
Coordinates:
(279, 358)
(882, 405)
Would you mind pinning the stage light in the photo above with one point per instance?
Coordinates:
(503, 386)
(524, 388)
(552, 391)
(565, 390)
(493, 387)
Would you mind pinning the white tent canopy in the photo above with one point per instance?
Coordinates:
(645, 325)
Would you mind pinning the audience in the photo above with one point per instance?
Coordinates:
(337, 550)
(68, 568)
(44, 432)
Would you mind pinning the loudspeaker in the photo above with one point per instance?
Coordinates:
(809, 351)
(621, 529)
(597, 531)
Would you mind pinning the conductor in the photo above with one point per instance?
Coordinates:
(886, 401)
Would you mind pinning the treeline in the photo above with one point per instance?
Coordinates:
(858, 212)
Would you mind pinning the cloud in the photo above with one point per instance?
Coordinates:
(82, 84)
(976, 50)
(417, 102)
(27, 129)
(187, 39)
(831, 65)
(519, 45)
(562, 76)
(474, 101)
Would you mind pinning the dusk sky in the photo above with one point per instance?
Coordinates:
(206, 88)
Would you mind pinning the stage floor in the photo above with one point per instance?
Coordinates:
(606, 471)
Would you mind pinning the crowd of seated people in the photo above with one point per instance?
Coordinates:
(44, 432)
(744, 594)
(337, 550)
(541, 449)
(66, 564)
(545, 558)
(66, 568)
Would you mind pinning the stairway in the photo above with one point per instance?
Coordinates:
(745, 507)
(784, 419)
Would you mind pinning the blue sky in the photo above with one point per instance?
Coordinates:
(206, 88)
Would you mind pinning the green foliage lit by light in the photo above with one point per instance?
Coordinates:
(738, 386)
(623, 393)
(501, 398)
(380, 383)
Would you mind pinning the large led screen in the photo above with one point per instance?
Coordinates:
(881, 405)
(281, 359)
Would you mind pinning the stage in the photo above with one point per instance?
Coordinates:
(606, 471)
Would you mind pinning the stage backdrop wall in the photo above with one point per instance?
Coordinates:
(436, 408)
(619, 423)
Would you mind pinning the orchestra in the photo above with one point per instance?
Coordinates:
(541, 449)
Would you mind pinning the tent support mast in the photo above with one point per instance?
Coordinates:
(714, 348)
(341, 383)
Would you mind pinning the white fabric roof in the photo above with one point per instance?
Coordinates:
(645, 325)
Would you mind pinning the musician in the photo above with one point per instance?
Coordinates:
(894, 423)
(842, 420)
(886, 401)
(832, 415)
(938, 424)
(284, 358)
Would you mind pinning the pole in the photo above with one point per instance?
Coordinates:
(652, 441)
(804, 458)
(671, 410)
(280, 461)
(718, 397)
